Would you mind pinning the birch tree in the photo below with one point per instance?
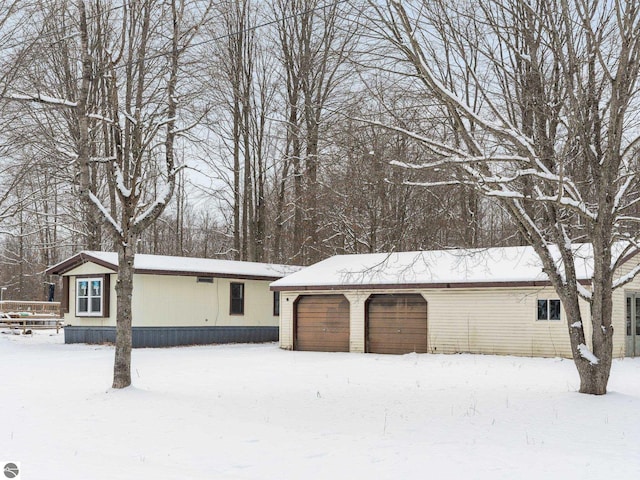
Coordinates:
(543, 110)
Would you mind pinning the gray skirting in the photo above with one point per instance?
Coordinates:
(173, 336)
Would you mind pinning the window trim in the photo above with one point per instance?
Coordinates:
(89, 297)
(241, 298)
(548, 310)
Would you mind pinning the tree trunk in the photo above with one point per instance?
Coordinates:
(124, 291)
(91, 223)
(594, 378)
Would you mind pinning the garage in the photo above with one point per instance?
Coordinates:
(396, 324)
(322, 323)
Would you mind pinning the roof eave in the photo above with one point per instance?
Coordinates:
(84, 257)
(184, 273)
(418, 286)
(77, 260)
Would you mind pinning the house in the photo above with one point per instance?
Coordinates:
(491, 301)
(176, 300)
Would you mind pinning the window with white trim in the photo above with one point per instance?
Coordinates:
(89, 293)
(548, 309)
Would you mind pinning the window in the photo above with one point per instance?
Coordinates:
(276, 304)
(204, 279)
(89, 293)
(548, 309)
(237, 298)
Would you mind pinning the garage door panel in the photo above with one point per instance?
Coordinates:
(322, 323)
(401, 315)
(396, 324)
(398, 331)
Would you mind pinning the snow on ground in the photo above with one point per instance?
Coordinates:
(258, 412)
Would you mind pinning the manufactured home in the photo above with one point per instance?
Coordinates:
(176, 300)
(491, 301)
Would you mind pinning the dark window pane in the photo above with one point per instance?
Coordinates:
(637, 315)
(236, 290)
(237, 298)
(542, 310)
(276, 304)
(83, 304)
(554, 309)
(95, 304)
(629, 316)
(237, 307)
(83, 288)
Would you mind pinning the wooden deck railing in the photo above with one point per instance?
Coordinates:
(30, 308)
(30, 323)
(26, 315)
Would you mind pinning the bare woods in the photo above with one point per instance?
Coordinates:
(290, 130)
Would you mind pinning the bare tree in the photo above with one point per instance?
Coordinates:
(542, 100)
(17, 34)
(243, 72)
(234, 55)
(141, 50)
(316, 41)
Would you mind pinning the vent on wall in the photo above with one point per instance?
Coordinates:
(204, 280)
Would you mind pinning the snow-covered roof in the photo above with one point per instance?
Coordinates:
(167, 265)
(439, 268)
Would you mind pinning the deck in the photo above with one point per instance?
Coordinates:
(29, 315)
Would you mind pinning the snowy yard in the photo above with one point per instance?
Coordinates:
(257, 412)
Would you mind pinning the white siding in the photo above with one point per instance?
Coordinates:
(619, 314)
(171, 300)
(493, 321)
(89, 269)
(356, 324)
(481, 320)
(287, 300)
(168, 300)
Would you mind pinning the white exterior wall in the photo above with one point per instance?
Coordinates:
(619, 314)
(172, 300)
(494, 321)
(357, 302)
(287, 301)
(168, 300)
(479, 320)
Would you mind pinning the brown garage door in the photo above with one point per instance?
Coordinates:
(322, 323)
(396, 324)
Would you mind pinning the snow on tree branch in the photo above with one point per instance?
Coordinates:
(107, 216)
(68, 153)
(40, 98)
(583, 292)
(122, 188)
(587, 354)
(623, 280)
(163, 197)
